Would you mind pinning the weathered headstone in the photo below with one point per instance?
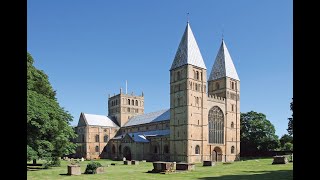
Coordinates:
(100, 170)
(279, 160)
(208, 163)
(82, 159)
(185, 166)
(127, 162)
(134, 162)
(74, 170)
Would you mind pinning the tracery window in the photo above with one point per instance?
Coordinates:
(216, 125)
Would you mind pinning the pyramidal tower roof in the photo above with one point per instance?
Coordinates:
(188, 51)
(223, 65)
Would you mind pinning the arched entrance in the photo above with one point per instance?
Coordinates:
(217, 154)
(127, 153)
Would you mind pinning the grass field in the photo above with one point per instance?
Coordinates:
(247, 169)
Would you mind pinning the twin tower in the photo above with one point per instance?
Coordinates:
(204, 115)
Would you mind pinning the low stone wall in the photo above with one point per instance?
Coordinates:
(74, 170)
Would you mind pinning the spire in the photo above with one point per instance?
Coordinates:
(188, 51)
(223, 65)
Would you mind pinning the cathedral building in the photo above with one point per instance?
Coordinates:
(202, 123)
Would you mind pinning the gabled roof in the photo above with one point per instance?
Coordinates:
(188, 51)
(98, 120)
(142, 136)
(223, 65)
(161, 115)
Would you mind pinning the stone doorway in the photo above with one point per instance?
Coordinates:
(127, 153)
(216, 155)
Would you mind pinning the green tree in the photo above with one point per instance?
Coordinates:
(288, 146)
(257, 133)
(48, 125)
(290, 123)
(285, 139)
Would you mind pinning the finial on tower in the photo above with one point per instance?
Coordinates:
(222, 31)
(187, 17)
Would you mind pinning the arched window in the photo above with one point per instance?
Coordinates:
(197, 75)
(232, 125)
(136, 102)
(216, 125)
(132, 102)
(105, 138)
(97, 148)
(178, 74)
(120, 151)
(83, 138)
(194, 74)
(197, 149)
(232, 85)
(232, 149)
(116, 101)
(166, 149)
(97, 138)
(217, 86)
(201, 76)
(113, 150)
(128, 101)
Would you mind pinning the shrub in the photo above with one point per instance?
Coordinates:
(55, 162)
(92, 167)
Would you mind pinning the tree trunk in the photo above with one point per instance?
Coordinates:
(34, 161)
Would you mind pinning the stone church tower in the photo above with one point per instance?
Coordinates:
(187, 101)
(224, 82)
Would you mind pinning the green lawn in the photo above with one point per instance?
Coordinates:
(249, 169)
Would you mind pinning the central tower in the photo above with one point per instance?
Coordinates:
(188, 134)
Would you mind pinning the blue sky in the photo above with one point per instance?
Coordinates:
(90, 48)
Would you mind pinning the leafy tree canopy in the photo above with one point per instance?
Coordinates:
(257, 133)
(290, 123)
(48, 129)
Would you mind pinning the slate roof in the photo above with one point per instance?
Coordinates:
(99, 120)
(142, 136)
(188, 51)
(223, 65)
(161, 115)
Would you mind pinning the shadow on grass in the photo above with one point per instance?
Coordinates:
(65, 174)
(281, 174)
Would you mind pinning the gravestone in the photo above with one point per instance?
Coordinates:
(82, 159)
(100, 170)
(74, 170)
(185, 166)
(279, 160)
(208, 163)
(127, 162)
(134, 162)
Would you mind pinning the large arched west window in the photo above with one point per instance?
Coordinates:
(216, 125)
